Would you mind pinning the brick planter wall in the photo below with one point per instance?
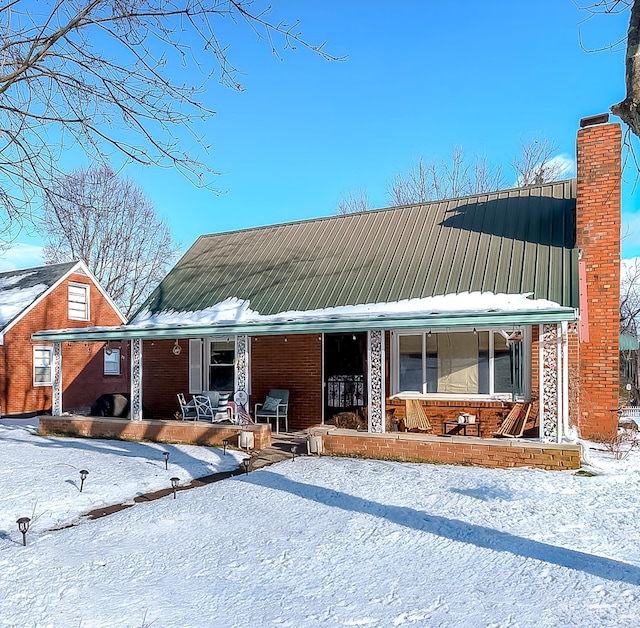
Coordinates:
(498, 453)
(186, 432)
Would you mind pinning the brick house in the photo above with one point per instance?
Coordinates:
(465, 305)
(59, 295)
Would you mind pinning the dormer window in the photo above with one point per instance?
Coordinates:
(78, 301)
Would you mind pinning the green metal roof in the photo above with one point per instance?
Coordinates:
(511, 241)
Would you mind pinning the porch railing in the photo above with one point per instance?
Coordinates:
(346, 391)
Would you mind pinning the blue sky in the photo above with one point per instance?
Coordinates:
(420, 77)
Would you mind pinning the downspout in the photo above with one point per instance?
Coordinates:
(569, 433)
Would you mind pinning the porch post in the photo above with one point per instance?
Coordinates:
(375, 368)
(136, 379)
(242, 364)
(551, 370)
(56, 380)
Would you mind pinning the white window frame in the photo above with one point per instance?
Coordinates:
(114, 358)
(87, 292)
(48, 349)
(207, 360)
(526, 355)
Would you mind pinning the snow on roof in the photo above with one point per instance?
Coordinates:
(237, 311)
(15, 300)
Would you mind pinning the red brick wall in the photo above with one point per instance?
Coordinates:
(163, 376)
(456, 450)
(188, 432)
(80, 386)
(291, 362)
(598, 237)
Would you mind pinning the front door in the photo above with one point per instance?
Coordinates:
(345, 368)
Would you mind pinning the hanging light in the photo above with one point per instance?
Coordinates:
(108, 350)
(176, 348)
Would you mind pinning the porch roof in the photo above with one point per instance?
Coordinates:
(448, 320)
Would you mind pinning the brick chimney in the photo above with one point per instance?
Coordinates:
(598, 240)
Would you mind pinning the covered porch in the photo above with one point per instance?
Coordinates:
(261, 347)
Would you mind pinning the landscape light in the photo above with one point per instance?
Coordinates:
(246, 462)
(165, 455)
(23, 526)
(294, 448)
(225, 444)
(174, 485)
(83, 476)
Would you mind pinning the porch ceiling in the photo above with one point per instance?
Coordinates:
(433, 321)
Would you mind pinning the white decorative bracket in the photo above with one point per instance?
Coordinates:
(553, 382)
(375, 363)
(56, 380)
(136, 379)
(242, 364)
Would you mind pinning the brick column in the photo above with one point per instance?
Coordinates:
(598, 240)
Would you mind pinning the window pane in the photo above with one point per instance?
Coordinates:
(42, 359)
(221, 378)
(483, 362)
(503, 365)
(222, 352)
(112, 362)
(458, 363)
(410, 363)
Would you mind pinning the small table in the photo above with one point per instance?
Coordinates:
(462, 427)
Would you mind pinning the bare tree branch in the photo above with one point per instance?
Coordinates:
(112, 77)
(108, 222)
(353, 203)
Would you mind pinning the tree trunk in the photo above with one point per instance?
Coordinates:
(629, 109)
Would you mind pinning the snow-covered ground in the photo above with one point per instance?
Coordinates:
(312, 542)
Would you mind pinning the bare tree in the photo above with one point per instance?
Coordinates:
(353, 203)
(628, 110)
(112, 77)
(538, 163)
(107, 221)
(630, 322)
(432, 181)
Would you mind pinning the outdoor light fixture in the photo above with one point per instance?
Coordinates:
(225, 444)
(83, 476)
(176, 348)
(108, 350)
(246, 462)
(174, 485)
(165, 455)
(294, 448)
(23, 526)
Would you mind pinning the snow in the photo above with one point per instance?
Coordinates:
(15, 300)
(313, 542)
(237, 311)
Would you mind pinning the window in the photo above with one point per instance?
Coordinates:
(79, 301)
(42, 361)
(221, 365)
(466, 363)
(111, 361)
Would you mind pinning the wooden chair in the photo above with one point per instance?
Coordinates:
(515, 422)
(416, 417)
